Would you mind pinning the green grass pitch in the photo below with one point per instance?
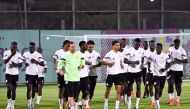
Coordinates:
(49, 99)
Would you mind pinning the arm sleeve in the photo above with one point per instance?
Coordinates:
(5, 56)
(61, 63)
(184, 54)
(55, 56)
(20, 58)
(106, 57)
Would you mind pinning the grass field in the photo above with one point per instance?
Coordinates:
(49, 99)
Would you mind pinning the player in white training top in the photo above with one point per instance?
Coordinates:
(13, 61)
(134, 61)
(179, 57)
(113, 59)
(41, 75)
(32, 59)
(161, 64)
(62, 95)
(95, 59)
(149, 72)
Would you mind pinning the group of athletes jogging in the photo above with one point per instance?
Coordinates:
(77, 72)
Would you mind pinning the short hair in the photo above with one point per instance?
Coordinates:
(91, 42)
(123, 39)
(152, 41)
(81, 43)
(159, 44)
(137, 40)
(66, 42)
(176, 41)
(13, 43)
(145, 42)
(71, 42)
(114, 42)
(32, 44)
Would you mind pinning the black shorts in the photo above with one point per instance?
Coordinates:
(11, 79)
(41, 80)
(143, 72)
(84, 84)
(60, 80)
(123, 77)
(73, 88)
(31, 79)
(149, 79)
(134, 77)
(116, 79)
(176, 75)
(156, 81)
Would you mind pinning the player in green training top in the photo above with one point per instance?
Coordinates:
(70, 66)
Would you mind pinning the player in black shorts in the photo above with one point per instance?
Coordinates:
(179, 57)
(13, 61)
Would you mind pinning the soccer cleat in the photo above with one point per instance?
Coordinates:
(105, 106)
(132, 93)
(172, 102)
(87, 107)
(177, 103)
(153, 104)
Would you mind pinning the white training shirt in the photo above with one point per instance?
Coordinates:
(146, 55)
(32, 69)
(159, 62)
(126, 49)
(59, 54)
(94, 58)
(179, 53)
(135, 55)
(17, 58)
(112, 56)
(84, 72)
(41, 69)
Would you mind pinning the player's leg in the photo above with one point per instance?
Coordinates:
(151, 85)
(118, 82)
(146, 87)
(122, 89)
(34, 86)
(71, 93)
(9, 90)
(138, 85)
(130, 79)
(14, 86)
(92, 81)
(157, 91)
(77, 95)
(109, 82)
(162, 84)
(125, 87)
(60, 80)
(171, 87)
(178, 84)
(85, 92)
(29, 89)
(40, 86)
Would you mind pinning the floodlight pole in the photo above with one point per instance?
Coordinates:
(25, 15)
(138, 11)
(73, 12)
(162, 16)
(118, 15)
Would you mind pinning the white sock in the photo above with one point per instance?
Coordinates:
(13, 103)
(61, 102)
(157, 104)
(129, 102)
(170, 96)
(106, 101)
(177, 98)
(76, 105)
(117, 104)
(72, 107)
(137, 101)
(152, 98)
(125, 97)
(87, 103)
(29, 102)
(38, 98)
(9, 102)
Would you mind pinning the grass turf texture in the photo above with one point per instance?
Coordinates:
(49, 99)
